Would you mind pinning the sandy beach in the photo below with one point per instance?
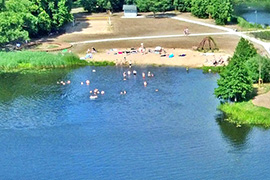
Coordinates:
(189, 58)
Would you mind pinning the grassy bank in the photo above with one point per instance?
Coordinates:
(246, 113)
(27, 60)
(212, 69)
(245, 25)
(265, 35)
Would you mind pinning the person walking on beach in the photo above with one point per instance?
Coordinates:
(186, 31)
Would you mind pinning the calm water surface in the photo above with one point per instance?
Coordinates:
(261, 17)
(49, 131)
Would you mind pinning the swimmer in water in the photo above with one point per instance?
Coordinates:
(145, 83)
(134, 72)
(143, 75)
(124, 74)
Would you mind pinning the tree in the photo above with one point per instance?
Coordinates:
(2, 5)
(16, 21)
(143, 5)
(113, 5)
(245, 50)
(89, 5)
(259, 67)
(220, 10)
(130, 2)
(235, 82)
(182, 5)
(11, 28)
(154, 5)
(51, 14)
(199, 8)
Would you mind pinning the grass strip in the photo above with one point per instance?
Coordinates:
(28, 60)
(246, 113)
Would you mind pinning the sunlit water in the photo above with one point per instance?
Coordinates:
(50, 131)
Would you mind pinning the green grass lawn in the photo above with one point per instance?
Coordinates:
(246, 113)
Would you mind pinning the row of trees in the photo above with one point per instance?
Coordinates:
(220, 10)
(21, 19)
(245, 68)
(103, 5)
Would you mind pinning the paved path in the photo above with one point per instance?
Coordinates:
(264, 44)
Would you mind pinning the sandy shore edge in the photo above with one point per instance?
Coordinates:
(182, 57)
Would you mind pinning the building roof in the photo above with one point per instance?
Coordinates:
(130, 7)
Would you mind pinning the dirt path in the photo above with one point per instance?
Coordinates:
(262, 100)
(150, 37)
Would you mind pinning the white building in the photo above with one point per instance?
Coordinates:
(130, 11)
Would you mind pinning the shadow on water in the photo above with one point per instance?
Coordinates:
(13, 85)
(237, 137)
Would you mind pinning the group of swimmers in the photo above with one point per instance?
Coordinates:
(94, 93)
(64, 82)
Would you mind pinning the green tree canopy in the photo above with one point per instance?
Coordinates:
(220, 10)
(20, 19)
(199, 8)
(16, 21)
(235, 82)
(11, 28)
(130, 2)
(245, 50)
(52, 14)
(182, 5)
(154, 5)
(89, 5)
(259, 67)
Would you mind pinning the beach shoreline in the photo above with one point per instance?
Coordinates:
(181, 57)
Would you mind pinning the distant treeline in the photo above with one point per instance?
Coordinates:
(220, 10)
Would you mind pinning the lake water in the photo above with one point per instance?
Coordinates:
(261, 17)
(50, 131)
